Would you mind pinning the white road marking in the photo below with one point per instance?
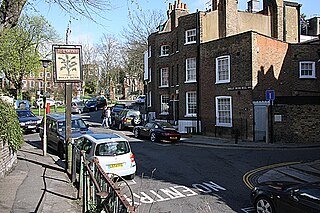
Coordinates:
(175, 192)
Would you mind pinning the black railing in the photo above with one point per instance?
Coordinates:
(98, 191)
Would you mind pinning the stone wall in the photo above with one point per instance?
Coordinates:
(7, 159)
(296, 123)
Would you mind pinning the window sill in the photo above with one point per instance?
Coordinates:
(222, 82)
(164, 113)
(164, 55)
(189, 82)
(308, 77)
(190, 116)
(224, 125)
(194, 42)
(164, 86)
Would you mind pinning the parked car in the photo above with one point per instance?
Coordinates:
(127, 118)
(157, 131)
(113, 152)
(28, 121)
(22, 104)
(39, 102)
(286, 197)
(77, 107)
(56, 130)
(91, 105)
(114, 111)
(140, 99)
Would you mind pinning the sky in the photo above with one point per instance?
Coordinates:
(114, 20)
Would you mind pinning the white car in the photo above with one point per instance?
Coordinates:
(39, 102)
(113, 152)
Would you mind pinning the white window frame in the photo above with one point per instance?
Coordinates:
(220, 60)
(149, 99)
(41, 84)
(48, 74)
(40, 74)
(164, 110)
(302, 68)
(164, 50)
(164, 82)
(31, 84)
(188, 113)
(31, 75)
(191, 36)
(219, 111)
(149, 74)
(191, 70)
(149, 51)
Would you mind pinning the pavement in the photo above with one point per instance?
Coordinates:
(40, 184)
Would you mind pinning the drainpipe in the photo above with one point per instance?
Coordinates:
(198, 68)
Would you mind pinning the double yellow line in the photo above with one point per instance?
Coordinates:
(246, 177)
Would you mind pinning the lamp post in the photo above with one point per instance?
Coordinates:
(45, 64)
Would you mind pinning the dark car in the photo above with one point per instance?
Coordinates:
(56, 131)
(114, 111)
(269, 197)
(91, 105)
(157, 131)
(127, 118)
(28, 121)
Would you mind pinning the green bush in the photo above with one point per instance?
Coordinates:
(10, 131)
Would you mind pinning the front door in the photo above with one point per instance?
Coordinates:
(260, 120)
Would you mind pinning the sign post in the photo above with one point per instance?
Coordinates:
(270, 96)
(68, 70)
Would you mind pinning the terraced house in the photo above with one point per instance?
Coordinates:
(230, 73)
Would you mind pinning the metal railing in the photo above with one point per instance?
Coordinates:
(98, 191)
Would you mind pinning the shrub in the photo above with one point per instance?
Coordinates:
(10, 131)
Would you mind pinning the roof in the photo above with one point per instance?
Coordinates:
(102, 138)
(59, 116)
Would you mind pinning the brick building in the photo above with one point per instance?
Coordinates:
(208, 72)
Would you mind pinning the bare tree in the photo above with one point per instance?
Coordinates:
(141, 25)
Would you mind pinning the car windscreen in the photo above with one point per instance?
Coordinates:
(165, 125)
(112, 148)
(25, 114)
(90, 103)
(76, 124)
(133, 113)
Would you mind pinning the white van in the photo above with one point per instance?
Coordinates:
(113, 152)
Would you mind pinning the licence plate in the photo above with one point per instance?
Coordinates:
(173, 138)
(117, 165)
(31, 127)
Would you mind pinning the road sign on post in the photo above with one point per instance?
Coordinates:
(270, 95)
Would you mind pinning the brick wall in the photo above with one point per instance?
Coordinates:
(299, 123)
(7, 159)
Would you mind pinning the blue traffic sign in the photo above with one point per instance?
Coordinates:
(270, 96)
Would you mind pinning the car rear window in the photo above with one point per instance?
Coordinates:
(112, 148)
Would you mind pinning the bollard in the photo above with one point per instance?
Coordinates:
(48, 108)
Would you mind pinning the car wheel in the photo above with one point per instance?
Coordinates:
(153, 137)
(61, 152)
(136, 133)
(264, 205)
(137, 120)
